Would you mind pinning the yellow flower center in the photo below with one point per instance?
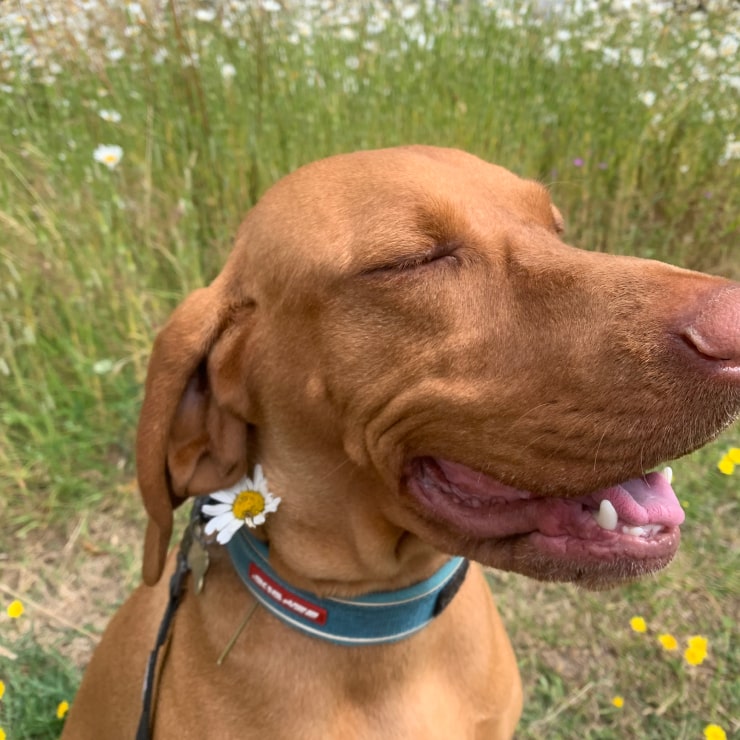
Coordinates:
(110, 159)
(248, 504)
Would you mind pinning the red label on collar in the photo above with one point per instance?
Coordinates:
(285, 598)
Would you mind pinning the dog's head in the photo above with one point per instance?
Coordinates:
(409, 323)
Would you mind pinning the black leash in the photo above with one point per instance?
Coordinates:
(177, 589)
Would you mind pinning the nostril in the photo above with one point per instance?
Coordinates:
(715, 332)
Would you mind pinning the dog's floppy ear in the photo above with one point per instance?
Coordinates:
(188, 442)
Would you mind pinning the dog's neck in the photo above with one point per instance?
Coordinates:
(343, 545)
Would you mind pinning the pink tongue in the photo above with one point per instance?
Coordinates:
(648, 500)
(640, 501)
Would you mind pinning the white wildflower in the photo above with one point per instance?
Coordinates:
(637, 57)
(732, 150)
(728, 46)
(108, 154)
(111, 116)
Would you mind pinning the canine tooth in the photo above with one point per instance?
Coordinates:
(607, 517)
(668, 473)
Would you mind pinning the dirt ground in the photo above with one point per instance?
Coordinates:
(70, 581)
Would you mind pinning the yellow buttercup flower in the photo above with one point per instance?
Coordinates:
(699, 643)
(730, 460)
(638, 624)
(15, 609)
(694, 657)
(2, 689)
(618, 701)
(726, 466)
(696, 651)
(62, 709)
(2, 734)
(714, 732)
(669, 642)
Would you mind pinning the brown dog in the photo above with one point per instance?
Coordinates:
(422, 368)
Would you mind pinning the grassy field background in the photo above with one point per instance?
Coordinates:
(628, 113)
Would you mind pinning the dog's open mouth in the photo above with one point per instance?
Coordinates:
(637, 520)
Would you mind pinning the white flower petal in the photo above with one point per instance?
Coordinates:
(259, 479)
(210, 527)
(228, 532)
(224, 496)
(271, 506)
(219, 523)
(216, 509)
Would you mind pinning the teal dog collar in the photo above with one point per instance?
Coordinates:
(369, 619)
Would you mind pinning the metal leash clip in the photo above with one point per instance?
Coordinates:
(196, 552)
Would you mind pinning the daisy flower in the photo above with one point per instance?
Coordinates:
(108, 154)
(247, 502)
(111, 116)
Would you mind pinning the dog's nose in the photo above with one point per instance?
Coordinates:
(715, 332)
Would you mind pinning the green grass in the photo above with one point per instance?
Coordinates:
(92, 261)
(36, 682)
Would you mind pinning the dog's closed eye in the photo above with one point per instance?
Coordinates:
(439, 253)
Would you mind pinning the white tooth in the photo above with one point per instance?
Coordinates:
(607, 517)
(668, 473)
(635, 531)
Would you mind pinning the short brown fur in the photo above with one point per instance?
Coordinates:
(320, 353)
